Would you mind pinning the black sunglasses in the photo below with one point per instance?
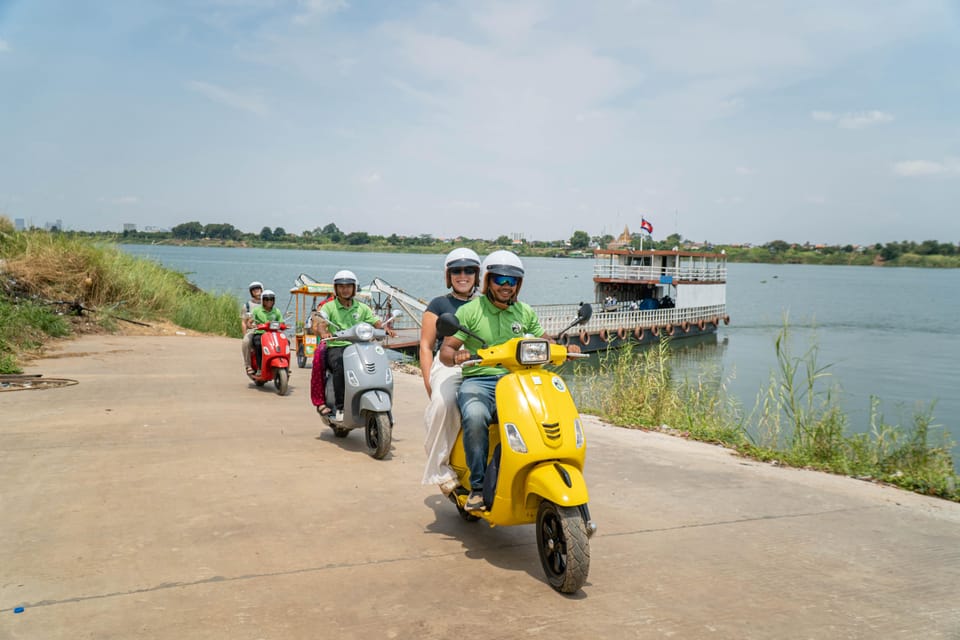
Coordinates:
(470, 271)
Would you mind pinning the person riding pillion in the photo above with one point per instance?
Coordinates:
(246, 321)
(441, 418)
(496, 316)
(338, 314)
(264, 314)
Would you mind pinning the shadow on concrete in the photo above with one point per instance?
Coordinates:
(511, 548)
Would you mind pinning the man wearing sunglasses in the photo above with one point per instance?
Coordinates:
(496, 316)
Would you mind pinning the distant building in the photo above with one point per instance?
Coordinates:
(20, 224)
(56, 225)
(622, 241)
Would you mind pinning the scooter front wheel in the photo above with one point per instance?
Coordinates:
(379, 434)
(282, 380)
(563, 546)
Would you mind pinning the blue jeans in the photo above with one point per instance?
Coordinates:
(478, 404)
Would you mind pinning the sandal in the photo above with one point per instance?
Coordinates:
(323, 410)
(250, 371)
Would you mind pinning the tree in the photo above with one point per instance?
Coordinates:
(266, 234)
(358, 237)
(503, 241)
(332, 233)
(279, 233)
(778, 246)
(188, 231)
(579, 240)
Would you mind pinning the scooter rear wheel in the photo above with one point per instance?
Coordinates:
(563, 546)
(379, 434)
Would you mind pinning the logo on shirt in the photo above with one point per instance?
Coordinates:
(517, 328)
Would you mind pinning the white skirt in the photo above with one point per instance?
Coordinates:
(441, 421)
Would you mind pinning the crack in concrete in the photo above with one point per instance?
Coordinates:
(273, 574)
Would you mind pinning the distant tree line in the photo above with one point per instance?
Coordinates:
(906, 252)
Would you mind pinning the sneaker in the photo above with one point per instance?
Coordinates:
(475, 502)
(339, 416)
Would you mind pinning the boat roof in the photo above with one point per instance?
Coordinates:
(659, 252)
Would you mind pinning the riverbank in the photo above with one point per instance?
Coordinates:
(53, 285)
(139, 493)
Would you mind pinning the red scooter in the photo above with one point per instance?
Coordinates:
(275, 362)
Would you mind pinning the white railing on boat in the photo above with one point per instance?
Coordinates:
(708, 273)
(554, 317)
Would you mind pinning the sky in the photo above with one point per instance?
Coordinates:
(724, 121)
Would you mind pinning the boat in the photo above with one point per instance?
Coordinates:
(640, 296)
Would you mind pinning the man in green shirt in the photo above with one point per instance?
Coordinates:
(336, 315)
(496, 316)
(261, 315)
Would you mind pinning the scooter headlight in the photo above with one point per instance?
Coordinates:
(364, 331)
(274, 326)
(514, 439)
(578, 429)
(533, 352)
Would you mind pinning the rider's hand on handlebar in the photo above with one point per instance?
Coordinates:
(462, 356)
(573, 348)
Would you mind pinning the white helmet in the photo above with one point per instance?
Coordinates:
(255, 285)
(268, 294)
(345, 277)
(501, 263)
(461, 257)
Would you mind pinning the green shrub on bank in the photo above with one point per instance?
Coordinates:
(25, 326)
(796, 420)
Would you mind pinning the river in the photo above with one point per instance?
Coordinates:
(885, 332)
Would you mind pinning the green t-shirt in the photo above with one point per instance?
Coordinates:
(339, 317)
(261, 316)
(495, 326)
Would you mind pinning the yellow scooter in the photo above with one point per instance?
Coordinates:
(536, 454)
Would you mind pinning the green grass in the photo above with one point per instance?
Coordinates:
(795, 421)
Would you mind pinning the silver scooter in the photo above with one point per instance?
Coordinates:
(367, 388)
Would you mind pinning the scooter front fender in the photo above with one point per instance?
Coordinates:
(560, 483)
(376, 400)
(280, 363)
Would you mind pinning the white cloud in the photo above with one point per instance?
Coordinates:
(853, 119)
(914, 168)
(233, 99)
(313, 8)
(4, 46)
(371, 178)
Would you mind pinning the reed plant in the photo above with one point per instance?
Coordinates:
(796, 419)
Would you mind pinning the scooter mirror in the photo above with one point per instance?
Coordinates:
(396, 313)
(584, 313)
(447, 325)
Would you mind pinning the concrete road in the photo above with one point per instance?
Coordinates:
(165, 497)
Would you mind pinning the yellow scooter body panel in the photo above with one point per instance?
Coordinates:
(538, 404)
